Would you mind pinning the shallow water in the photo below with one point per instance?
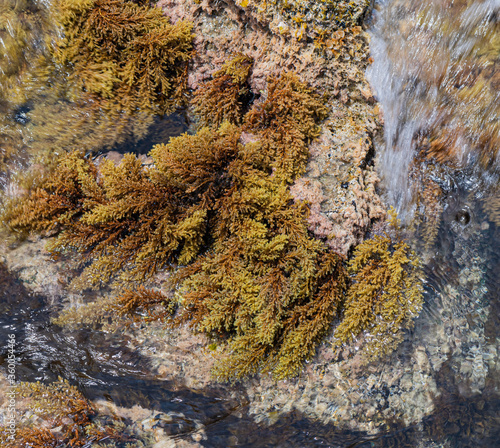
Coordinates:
(415, 77)
(435, 74)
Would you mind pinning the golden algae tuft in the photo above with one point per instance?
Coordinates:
(385, 296)
(247, 271)
(58, 414)
(86, 75)
(222, 98)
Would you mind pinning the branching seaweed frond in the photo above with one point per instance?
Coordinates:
(385, 296)
(222, 98)
(67, 415)
(286, 122)
(219, 213)
(126, 56)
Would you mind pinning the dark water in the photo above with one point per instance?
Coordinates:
(162, 129)
(99, 364)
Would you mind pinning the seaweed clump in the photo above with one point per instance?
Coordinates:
(248, 270)
(124, 55)
(384, 298)
(86, 75)
(59, 415)
(118, 218)
(219, 214)
(223, 97)
(286, 122)
(22, 25)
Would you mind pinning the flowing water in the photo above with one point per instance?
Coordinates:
(436, 74)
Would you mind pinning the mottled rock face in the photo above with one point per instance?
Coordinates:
(340, 182)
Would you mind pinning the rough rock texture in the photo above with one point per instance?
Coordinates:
(340, 181)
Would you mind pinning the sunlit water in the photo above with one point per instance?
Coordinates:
(425, 74)
(436, 74)
(436, 77)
